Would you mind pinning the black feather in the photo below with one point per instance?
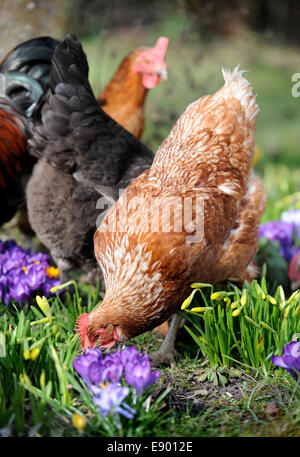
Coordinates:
(24, 74)
(75, 138)
(102, 150)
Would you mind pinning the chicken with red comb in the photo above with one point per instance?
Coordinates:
(124, 96)
(193, 216)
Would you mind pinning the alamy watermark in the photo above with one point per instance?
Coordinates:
(167, 214)
(296, 87)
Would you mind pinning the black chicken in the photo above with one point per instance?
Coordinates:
(83, 154)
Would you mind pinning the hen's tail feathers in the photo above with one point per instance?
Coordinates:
(69, 64)
(32, 57)
(23, 91)
(25, 72)
(73, 133)
(63, 108)
(238, 86)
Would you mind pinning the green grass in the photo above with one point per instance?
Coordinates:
(40, 392)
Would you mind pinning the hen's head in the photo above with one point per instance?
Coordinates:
(151, 64)
(99, 329)
(294, 271)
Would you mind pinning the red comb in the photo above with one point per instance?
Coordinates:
(82, 323)
(161, 46)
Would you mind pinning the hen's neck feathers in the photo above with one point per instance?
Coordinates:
(124, 97)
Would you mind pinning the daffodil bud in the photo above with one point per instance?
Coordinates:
(188, 300)
(44, 305)
(271, 300)
(244, 298)
(42, 379)
(79, 421)
(236, 312)
(26, 354)
(234, 304)
(34, 353)
(218, 295)
(260, 291)
(282, 296)
(200, 285)
(199, 309)
(62, 286)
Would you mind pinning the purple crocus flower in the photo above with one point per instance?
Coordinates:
(110, 400)
(82, 362)
(112, 370)
(24, 273)
(131, 355)
(103, 376)
(140, 376)
(277, 231)
(283, 233)
(290, 359)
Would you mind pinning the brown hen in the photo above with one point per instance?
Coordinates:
(193, 216)
(124, 97)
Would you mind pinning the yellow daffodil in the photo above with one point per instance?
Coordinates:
(79, 421)
(186, 303)
(34, 353)
(244, 298)
(44, 305)
(271, 300)
(26, 354)
(218, 295)
(236, 312)
(199, 309)
(42, 379)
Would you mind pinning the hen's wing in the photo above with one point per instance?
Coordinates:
(242, 243)
(75, 135)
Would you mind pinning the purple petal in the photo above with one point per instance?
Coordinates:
(277, 360)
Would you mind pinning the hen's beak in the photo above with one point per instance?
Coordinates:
(108, 336)
(163, 73)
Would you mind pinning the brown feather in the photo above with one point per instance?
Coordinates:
(206, 158)
(124, 97)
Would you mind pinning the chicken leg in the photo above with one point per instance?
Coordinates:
(167, 350)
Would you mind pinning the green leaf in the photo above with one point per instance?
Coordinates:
(2, 345)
